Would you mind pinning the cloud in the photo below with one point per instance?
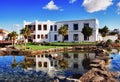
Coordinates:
(118, 10)
(51, 6)
(96, 5)
(72, 1)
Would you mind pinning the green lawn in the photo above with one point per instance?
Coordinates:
(36, 47)
(33, 46)
(72, 43)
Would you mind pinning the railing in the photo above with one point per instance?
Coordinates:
(5, 41)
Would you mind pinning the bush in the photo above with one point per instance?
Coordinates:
(109, 41)
(117, 41)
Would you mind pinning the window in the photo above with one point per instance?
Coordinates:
(75, 26)
(26, 26)
(40, 64)
(55, 37)
(33, 26)
(75, 37)
(46, 36)
(45, 27)
(39, 27)
(51, 63)
(45, 64)
(75, 65)
(55, 27)
(42, 36)
(66, 25)
(33, 36)
(42, 56)
(86, 24)
(29, 26)
(75, 55)
(51, 27)
(38, 36)
(66, 37)
(86, 38)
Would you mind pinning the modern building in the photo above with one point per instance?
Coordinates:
(48, 31)
(3, 34)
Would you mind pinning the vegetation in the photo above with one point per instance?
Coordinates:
(87, 32)
(71, 43)
(35, 46)
(109, 41)
(12, 36)
(32, 46)
(117, 41)
(63, 64)
(26, 32)
(113, 33)
(103, 31)
(63, 31)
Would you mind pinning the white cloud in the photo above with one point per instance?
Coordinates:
(96, 5)
(72, 1)
(118, 10)
(51, 6)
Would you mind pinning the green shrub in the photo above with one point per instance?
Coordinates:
(117, 41)
(109, 41)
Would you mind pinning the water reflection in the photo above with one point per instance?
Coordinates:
(45, 66)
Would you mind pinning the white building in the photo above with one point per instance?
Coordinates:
(48, 31)
(3, 34)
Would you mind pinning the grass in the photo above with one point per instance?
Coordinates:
(36, 47)
(72, 43)
(33, 46)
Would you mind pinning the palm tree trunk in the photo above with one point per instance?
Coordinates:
(63, 39)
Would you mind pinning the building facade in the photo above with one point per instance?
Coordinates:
(3, 34)
(48, 31)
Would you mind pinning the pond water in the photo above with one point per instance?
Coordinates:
(115, 63)
(44, 67)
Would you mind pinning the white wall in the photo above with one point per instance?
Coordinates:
(93, 23)
(112, 37)
(1, 37)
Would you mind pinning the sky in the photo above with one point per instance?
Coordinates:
(14, 12)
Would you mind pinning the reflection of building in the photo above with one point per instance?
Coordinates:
(48, 31)
(76, 61)
(50, 65)
(3, 34)
(45, 63)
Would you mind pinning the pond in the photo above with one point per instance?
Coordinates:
(115, 63)
(44, 67)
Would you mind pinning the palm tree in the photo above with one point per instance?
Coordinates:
(87, 32)
(14, 63)
(63, 31)
(26, 32)
(63, 64)
(12, 36)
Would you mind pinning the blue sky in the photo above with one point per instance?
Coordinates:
(14, 12)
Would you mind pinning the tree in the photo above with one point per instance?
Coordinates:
(26, 32)
(12, 36)
(14, 63)
(87, 32)
(103, 31)
(63, 31)
(63, 64)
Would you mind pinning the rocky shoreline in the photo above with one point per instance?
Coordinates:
(99, 71)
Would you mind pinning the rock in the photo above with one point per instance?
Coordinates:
(96, 79)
